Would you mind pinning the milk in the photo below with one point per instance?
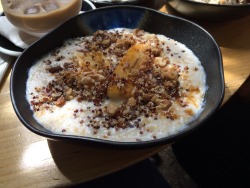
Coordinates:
(37, 17)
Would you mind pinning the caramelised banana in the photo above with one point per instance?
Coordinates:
(136, 58)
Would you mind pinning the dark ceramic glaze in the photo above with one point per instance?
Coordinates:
(6, 44)
(116, 2)
(209, 12)
(184, 31)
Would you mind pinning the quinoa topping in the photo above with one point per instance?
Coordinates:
(130, 70)
(144, 88)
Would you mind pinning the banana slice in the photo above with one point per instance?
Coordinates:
(136, 58)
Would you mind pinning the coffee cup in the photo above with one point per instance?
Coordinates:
(37, 17)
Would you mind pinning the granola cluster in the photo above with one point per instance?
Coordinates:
(128, 70)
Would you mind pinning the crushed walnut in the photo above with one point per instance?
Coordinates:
(143, 81)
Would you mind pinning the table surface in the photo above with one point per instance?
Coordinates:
(28, 160)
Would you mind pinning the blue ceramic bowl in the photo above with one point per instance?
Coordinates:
(117, 2)
(184, 31)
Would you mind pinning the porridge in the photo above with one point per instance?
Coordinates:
(119, 84)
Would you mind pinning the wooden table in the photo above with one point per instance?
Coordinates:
(28, 160)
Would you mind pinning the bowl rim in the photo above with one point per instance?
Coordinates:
(214, 5)
(115, 2)
(142, 144)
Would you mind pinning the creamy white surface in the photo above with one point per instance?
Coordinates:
(63, 117)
